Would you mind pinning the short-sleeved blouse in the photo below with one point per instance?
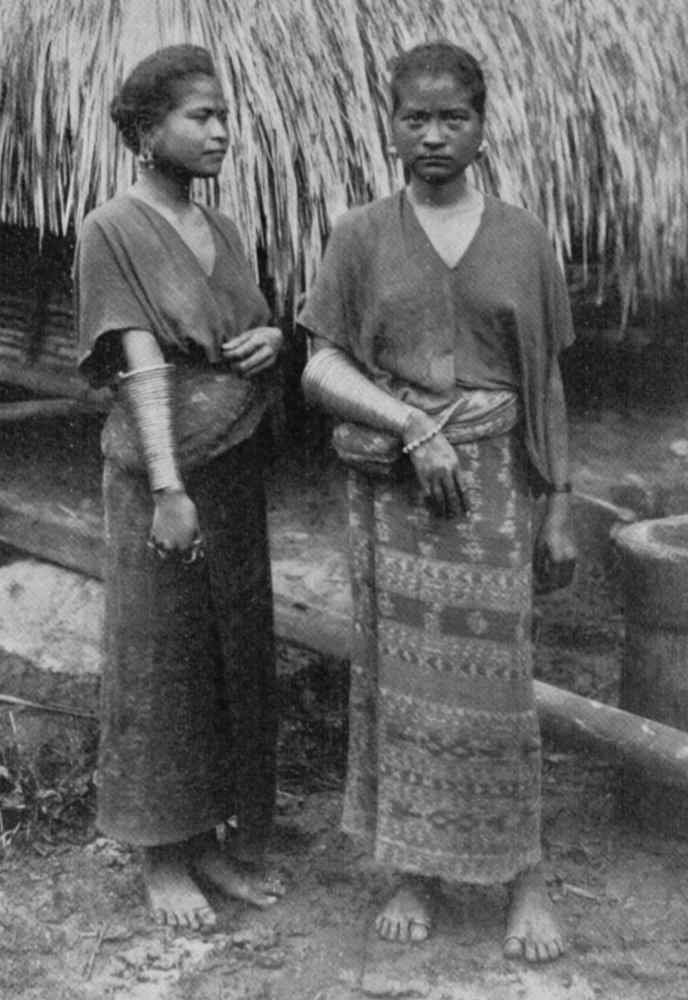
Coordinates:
(134, 271)
(385, 296)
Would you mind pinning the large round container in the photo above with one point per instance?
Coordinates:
(654, 676)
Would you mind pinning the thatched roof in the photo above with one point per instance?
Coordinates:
(586, 115)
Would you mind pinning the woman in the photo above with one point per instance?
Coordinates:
(436, 320)
(169, 314)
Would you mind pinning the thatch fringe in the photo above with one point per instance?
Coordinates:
(586, 118)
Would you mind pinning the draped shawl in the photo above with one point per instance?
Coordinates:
(134, 271)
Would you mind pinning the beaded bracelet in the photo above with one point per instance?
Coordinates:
(423, 439)
(564, 488)
(437, 429)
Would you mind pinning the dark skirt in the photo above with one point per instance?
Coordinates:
(188, 690)
(444, 750)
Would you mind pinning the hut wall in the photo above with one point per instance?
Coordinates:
(37, 338)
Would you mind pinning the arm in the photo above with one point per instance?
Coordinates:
(332, 380)
(555, 546)
(147, 387)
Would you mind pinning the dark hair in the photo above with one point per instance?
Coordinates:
(436, 58)
(152, 88)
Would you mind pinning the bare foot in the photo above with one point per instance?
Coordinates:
(173, 896)
(233, 880)
(532, 929)
(408, 914)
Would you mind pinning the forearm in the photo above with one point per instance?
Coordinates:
(557, 443)
(147, 389)
(333, 381)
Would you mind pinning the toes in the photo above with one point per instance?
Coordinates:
(513, 947)
(530, 952)
(387, 929)
(541, 951)
(206, 918)
(555, 949)
(266, 901)
(418, 931)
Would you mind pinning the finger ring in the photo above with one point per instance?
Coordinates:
(196, 551)
(161, 551)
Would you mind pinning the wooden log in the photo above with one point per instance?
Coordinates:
(36, 409)
(52, 532)
(659, 751)
(46, 381)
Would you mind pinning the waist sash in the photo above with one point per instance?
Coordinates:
(474, 414)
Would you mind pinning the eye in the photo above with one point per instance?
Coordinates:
(456, 116)
(415, 117)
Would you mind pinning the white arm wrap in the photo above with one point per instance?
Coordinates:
(331, 379)
(148, 395)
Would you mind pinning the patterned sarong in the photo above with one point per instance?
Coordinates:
(444, 747)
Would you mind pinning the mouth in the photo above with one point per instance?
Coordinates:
(434, 161)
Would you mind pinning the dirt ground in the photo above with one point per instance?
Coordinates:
(73, 925)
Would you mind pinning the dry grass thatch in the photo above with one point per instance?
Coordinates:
(586, 118)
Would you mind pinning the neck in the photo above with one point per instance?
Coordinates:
(454, 192)
(173, 190)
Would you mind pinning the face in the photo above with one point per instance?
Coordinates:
(436, 130)
(192, 139)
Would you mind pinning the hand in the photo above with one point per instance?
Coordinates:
(436, 466)
(175, 525)
(253, 351)
(555, 554)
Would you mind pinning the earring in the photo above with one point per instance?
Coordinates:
(392, 150)
(146, 160)
(482, 150)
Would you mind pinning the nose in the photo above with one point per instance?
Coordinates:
(219, 129)
(433, 134)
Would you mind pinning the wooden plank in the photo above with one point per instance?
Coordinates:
(52, 382)
(659, 751)
(39, 409)
(53, 532)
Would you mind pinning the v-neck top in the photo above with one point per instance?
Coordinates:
(133, 270)
(484, 352)
(420, 329)
(146, 206)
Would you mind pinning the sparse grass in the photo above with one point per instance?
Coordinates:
(47, 793)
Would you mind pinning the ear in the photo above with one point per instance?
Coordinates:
(146, 138)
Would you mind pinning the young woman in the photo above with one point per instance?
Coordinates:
(436, 321)
(169, 314)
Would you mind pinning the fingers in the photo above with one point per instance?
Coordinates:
(258, 362)
(461, 492)
(254, 350)
(445, 493)
(251, 358)
(165, 549)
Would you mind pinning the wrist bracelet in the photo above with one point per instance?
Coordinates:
(564, 488)
(423, 439)
(444, 419)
